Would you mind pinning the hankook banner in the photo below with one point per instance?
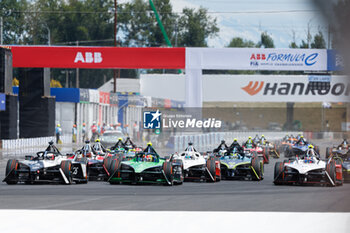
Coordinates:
(273, 88)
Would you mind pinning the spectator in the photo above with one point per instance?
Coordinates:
(126, 129)
(119, 127)
(94, 131)
(74, 133)
(58, 134)
(84, 132)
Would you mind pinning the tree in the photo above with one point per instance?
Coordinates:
(266, 41)
(304, 45)
(238, 42)
(196, 27)
(293, 45)
(319, 42)
(13, 20)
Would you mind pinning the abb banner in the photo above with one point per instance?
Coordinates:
(98, 57)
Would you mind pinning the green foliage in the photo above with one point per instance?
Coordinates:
(196, 27)
(304, 45)
(319, 42)
(13, 20)
(266, 41)
(238, 42)
(293, 45)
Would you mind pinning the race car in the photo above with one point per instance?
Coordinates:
(341, 150)
(270, 149)
(236, 165)
(308, 169)
(259, 150)
(342, 157)
(146, 167)
(94, 159)
(299, 150)
(285, 145)
(197, 167)
(46, 166)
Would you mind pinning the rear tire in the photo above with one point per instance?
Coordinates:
(328, 152)
(107, 163)
(66, 167)
(266, 154)
(331, 170)
(114, 170)
(181, 167)
(12, 165)
(169, 173)
(212, 169)
(279, 167)
(256, 165)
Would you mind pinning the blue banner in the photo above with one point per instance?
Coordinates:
(122, 104)
(2, 102)
(334, 61)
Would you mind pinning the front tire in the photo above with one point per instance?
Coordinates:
(278, 172)
(11, 174)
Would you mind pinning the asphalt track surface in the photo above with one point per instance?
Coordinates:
(191, 196)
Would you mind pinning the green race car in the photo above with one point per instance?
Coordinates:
(146, 168)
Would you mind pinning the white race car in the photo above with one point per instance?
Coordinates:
(46, 166)
(197, 167)
(308, 169)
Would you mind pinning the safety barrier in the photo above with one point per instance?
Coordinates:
(31, 142)
(208, 141)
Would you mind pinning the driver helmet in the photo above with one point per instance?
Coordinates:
(149, 158)
(149, 144)
(97, 140)
(50, 156)
(250, 137)
(58, 125)
(235, 139)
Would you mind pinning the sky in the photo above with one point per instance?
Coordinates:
(249, 18)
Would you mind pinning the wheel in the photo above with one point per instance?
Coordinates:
(339, 171)
(266, 155)
(218, 167)
(256, 167)
(212, 169)
(107, 163)
(12, 166)
(278, 172)
(66, 167)
(328, 152)
(331, 170)
(169, 173)
(179, 171)
(114, 168)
